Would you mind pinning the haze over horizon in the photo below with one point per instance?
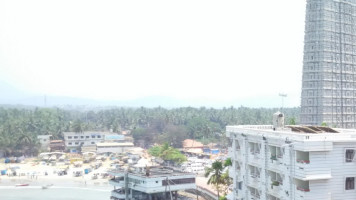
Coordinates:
(186, 53)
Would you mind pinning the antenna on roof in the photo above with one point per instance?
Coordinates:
(282, 95)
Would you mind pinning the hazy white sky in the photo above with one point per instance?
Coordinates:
(187, 49)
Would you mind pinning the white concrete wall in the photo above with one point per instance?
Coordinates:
(326, 171)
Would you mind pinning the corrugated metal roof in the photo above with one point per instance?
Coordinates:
(311, 129)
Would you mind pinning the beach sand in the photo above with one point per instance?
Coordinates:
(34, 174)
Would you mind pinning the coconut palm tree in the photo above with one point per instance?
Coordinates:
(215, 175)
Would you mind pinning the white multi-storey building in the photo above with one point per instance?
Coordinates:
(75, 141)
(292, 162)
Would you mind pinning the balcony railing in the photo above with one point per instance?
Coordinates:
(255, 175)
(276, 183)
(255, 195)
(303, 161)
(303, 189)
(255, 152)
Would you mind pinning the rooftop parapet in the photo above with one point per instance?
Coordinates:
(299, 133)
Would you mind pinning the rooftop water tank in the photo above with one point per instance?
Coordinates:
(278, 120)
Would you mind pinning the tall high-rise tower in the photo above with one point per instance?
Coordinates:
(329, 67)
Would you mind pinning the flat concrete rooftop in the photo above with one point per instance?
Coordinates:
(154, 172)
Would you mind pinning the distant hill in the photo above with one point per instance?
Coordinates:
(13, 96)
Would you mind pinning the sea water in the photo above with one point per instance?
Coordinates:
(53, 193)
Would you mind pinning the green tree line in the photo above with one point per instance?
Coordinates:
(19, 127)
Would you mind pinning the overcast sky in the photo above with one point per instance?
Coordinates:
(187, 49)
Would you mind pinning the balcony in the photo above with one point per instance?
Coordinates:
(271, 197)
(303, 189)
(230, 152)
(276, 183)
(308, 172)
(255, 150)
(302, 186)
(120, 194)
(302, 157)
(116, 182)
(276, 187)
(254, 193)
(237, 145)
(303, 161)
(275, 153)
(255, 175)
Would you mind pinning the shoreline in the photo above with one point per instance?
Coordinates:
(62, 181)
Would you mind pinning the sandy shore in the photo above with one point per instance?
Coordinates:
(35, 174)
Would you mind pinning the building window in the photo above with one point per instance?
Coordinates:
(87, 137)
(239, 185)
(75, 137)
(82, 143)
(350, 183)
(69, 143)
(99, 136)
(82, 137)
(349, 155)
(69, 137)
(93, 136)
(77, 143)
(92, 142)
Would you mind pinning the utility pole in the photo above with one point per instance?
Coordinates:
(126, 179)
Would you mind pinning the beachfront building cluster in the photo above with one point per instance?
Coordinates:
(329, 66)
(277, 162)
(144, 183)
(44, 141)
(48, 144)
(92, 141)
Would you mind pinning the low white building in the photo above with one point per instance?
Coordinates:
(75, 141)
(113, 147)
(44, 141)
(292, 162)
(149, 184)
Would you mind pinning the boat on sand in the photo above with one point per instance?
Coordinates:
(22, 184)
(46, 186)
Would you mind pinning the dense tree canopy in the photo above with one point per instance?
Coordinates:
(19, 127)
(167, 153)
